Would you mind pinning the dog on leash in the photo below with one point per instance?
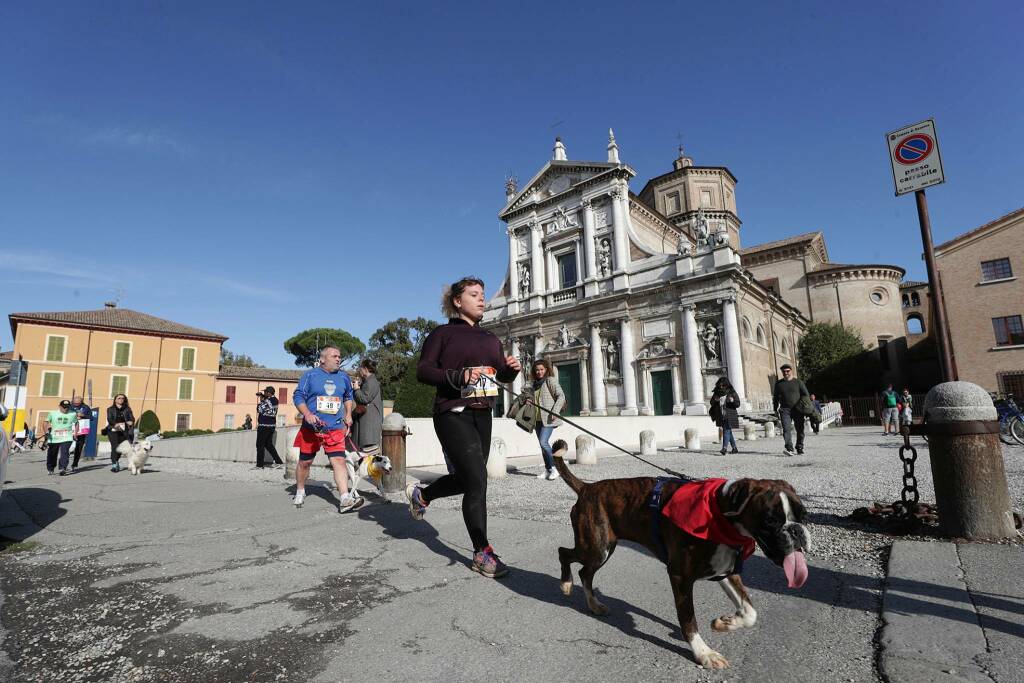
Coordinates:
(136, 453)
(372, 466)
(724, 520)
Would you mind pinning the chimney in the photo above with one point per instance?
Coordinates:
(110, 304)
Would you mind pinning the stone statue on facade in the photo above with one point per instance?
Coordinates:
(564, 338)
(564, 221)
(683, 247)
(526, 353)
(700, 227)
(604, 257)
(524, 281)
(709, 335)
(613, 356)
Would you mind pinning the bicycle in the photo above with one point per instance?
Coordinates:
(1011, 421)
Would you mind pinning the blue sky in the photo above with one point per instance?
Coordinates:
(260, 168)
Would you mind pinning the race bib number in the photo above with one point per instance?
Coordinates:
(83, 426)
(61, 433)
(328, 405)
(483, 387)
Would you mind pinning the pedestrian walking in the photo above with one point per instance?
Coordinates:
(61, 423)
(890, 411)
(120, 428)
(84, 414)
(463, 360)
(787, 394)
(369, 409)
(266, 426)
(816, 424)
(725, 403)
(324, 398)
(906, 407)
(547, 394)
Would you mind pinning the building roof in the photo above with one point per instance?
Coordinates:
(980, 229)
(789, 241)
(111, 318)
(912, 283)
(239, 372)
(6, 355)
(829, 267)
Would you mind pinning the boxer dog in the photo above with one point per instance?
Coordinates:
(764, 512)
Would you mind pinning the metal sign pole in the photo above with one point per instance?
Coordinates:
(938, 305)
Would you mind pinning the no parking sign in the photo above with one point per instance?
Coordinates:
(915, 159)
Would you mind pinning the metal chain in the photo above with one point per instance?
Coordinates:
(909, 497)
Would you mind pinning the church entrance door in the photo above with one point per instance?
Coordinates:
(661, 387)
(569, 379)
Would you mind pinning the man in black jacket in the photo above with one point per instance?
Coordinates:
(787, 394)
(266, 425)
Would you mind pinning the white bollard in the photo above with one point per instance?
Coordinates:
(769, 430)
(692, 440)
(291, 461)
(750, 431)
(586, 450)
(496, 460)
(647, 445)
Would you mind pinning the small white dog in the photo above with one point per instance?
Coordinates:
(137, 454)
(367, 466)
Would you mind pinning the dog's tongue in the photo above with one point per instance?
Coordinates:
(795, 567)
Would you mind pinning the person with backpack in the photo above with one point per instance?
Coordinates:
(724, 406)
(547, 394)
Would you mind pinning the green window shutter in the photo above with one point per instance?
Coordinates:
(121, 352)
(185, 390)
(51, 383)
(118, 385)
(188, 359)
(55, 349)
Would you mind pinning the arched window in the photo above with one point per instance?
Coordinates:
(745, 325)
(915, 324)
(906, 301)
(915, 299)
(785, 348)
(775, 342)
(760, 335)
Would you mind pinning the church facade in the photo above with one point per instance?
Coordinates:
(641, 302)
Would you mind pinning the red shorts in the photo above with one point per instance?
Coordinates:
(310, 442)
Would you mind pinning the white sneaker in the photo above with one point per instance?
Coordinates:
(543, 474)
(300, 496)
(350, 502)
(552, 474)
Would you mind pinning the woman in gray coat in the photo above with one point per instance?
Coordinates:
(548, 394)
(366, 430)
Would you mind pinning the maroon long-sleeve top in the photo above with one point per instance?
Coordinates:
(449, 350)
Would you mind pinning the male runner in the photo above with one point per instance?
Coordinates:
(324, 397)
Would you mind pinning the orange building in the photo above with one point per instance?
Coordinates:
(235, 395)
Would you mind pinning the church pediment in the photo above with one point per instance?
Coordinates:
(557, 177)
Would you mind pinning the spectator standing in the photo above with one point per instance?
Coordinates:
(84, 413)
(369, 409)
(906, 407)
(815, 425)
(248, 422)
(61, 423)
(455, 359)
(890, 411)
(547, 394)
(788, 392)
(725, 403)
(266, 426)
(120, 428)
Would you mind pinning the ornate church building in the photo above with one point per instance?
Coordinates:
(642, 301)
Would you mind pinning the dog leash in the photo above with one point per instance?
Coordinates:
(583, 429)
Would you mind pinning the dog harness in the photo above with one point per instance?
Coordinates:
(694, 509)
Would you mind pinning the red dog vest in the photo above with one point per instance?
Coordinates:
(694, 509)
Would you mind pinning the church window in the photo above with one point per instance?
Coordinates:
(745, 324)
(915, 324)
(915, 299)
(906, 301)
(567, 270)
(671, 203)
(705, 198)
(879, 296)
(785, 348)
(760, 335)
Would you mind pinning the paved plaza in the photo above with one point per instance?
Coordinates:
(203, 571)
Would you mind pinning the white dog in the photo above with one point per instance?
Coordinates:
(137, 454)
(367, 466)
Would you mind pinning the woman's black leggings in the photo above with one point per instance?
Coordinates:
(116, 439)
(466, 440)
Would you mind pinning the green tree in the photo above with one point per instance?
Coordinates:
(237, 359)
(149, 424)
(834, 360)
(394, 347)
(414, 399)
(306, 345)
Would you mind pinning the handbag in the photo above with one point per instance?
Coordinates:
(360, 409)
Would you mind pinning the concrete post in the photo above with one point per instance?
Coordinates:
(647, 444)
(769, 430)
(967, 462)
(692, 439)
(750, 431)
(392, 445)
(496, 468)
(586, 450)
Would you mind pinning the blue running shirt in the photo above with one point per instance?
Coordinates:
(325, 393)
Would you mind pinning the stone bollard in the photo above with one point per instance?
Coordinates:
(647, 444)
(291, 461)
(692, 439)
(967, 462)
(586, 450)
(769, 430)
(393, 433)
(750, 431)
(496, 468)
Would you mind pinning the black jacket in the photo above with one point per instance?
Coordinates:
(729, 417)
(115, 415)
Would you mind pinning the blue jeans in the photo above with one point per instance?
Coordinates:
(543, 436)
(728, 438)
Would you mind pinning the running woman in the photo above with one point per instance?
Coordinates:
(463, 360)
(324, 397)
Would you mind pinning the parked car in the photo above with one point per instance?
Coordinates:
(5, 450)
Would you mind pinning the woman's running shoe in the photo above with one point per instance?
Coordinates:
(488, 564)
